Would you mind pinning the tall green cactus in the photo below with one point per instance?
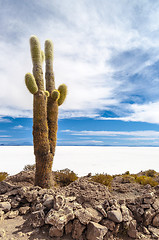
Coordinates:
(45, 110)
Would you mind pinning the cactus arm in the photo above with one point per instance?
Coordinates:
(63, 92)
(31, 83)
(49, 75)
(52, 105)
(37, 62)
(55, 94)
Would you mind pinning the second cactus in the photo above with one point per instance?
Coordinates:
(45, 110)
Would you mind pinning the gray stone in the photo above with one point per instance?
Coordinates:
(1, 215)
(155, 221)
(59, 218)
(153, 230)
(37, 218)
(24, 210)
(115, 215)
(108, 223)
(59, 202)
(132, 232)
(5, 206)
(101, 210)
(96, 216)
(14, 203)
(12, 214)
(148, 215)
(96, 231)
(77, 229)
(83, 215)
(68, 227)
(155, 205)
(55, 232)
(126, 214)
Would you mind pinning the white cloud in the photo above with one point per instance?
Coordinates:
(144, 134)
(86, 36)
(18, 127)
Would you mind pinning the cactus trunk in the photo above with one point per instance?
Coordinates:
(45, 111)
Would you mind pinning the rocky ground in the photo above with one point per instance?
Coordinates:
(82, 210)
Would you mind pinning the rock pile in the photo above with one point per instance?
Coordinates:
(83, 210)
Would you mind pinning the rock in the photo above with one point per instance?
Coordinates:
(101, 210)
(68, 227)
(154, 230)
(132, 232)
(77, 229)
(59, 218)
(24, 210)
(2, 233)
(149, 198)
(48, 201)
(155, 205)
(37, 218)
(5, 206)
(115, 215)
(83, 215)
(1, 215)
(155, 221)
(14, 203)
(96, 216)
(126, 214)
(12, 214)
(108, 223)
(59, 202)
(96, 231)
(145, 230)
(55, 232)
(148, 215)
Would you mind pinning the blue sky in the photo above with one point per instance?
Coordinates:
(107, 52)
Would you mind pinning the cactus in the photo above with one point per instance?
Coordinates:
(45, 110)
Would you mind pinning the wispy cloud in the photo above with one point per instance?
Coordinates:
(108, 59)
(152, 134)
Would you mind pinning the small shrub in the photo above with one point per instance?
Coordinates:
(128, 178)
(64, 177)
(104, 179)
(29, 167)
(3, 176)
(143, 180)
(150, 173)
(127, 173)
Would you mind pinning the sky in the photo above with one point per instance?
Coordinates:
(106, 52)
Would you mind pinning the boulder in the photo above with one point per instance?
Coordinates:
(108, 223)
(5, 206)
(37, 218)
(132, 232)
(95, 231)
(24, 210)
(83, 215)
(155, 221)
(77, 229)
(96, 216)
(68, 228)
(59, 202)
(59, 218)
(126, 214)
(153, 230)
(115, 215)
(148, 216)
(55, 232)
(12, 214)
(101, 210)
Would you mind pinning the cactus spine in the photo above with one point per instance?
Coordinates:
(45, 110)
